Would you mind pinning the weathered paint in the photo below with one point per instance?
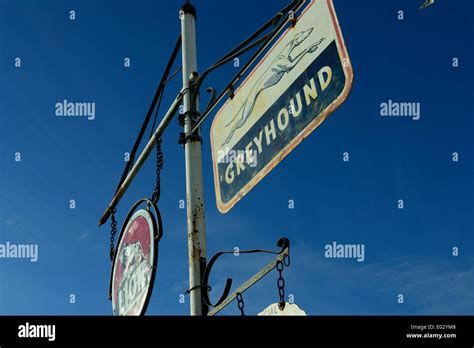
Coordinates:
(322, 78)
(134, 265)
(193, 163)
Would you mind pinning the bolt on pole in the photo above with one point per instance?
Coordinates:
(194, 182)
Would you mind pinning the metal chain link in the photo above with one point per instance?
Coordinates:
(159, 166)
(113, 231)
(240, 303)
(155, 197)
(281, 285)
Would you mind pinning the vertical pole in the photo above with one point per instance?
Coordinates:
(192, 148)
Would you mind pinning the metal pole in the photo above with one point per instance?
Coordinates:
(194, 182)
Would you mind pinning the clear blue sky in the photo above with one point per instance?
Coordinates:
(407, 251)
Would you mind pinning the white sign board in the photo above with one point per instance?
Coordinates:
(290, 309)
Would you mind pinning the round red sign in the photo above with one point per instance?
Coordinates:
(134, 265)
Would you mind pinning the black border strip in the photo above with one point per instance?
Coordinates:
(291, 331)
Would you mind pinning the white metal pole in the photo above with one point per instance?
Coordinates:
(194, 182)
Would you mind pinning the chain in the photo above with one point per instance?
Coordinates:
(159, 165)
(240, 303)
(112, 234)
(155, 197)
(281, 285)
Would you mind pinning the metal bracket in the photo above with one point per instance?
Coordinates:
(225, 299)
(197, 287)
(194, 115)
(212, 92)
(184, 138)
(193, 137)
(181, 120)
(255, 40)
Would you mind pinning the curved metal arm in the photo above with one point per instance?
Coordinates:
(283, 243)
(212, 92)
(278, 21)
(225, 60)
(243, 47)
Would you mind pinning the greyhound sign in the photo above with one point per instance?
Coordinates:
(302, 79)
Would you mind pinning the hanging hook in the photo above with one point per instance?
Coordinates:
(283, 243)
(212, 92)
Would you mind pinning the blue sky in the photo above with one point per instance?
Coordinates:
(407, 251)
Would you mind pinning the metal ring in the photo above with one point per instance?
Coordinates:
(196, 287)
(240, 301)
(279, 266)
(281, 292)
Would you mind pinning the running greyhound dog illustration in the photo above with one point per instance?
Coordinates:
(280, 66)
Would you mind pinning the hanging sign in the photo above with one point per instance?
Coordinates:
(304, 77)
(135, 262)
(290, 309)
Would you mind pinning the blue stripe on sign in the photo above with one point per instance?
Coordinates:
(276, 128)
